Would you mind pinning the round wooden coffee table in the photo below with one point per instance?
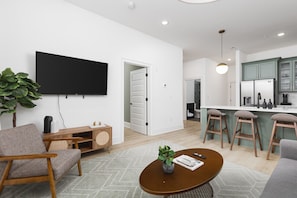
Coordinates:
(154, 181)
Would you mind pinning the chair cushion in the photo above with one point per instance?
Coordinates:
(215, 112)
(21, 140)
(245, 114)
(65, 160)
(283, 117)
(37, 167)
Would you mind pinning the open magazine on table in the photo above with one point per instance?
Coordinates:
(188, 162)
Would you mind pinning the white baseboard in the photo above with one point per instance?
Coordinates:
(127, 124)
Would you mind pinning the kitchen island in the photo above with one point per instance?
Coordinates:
(264, 121)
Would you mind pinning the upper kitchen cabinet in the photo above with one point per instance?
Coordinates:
(257, 70)
(288, 74)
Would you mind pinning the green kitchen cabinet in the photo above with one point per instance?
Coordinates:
(288, 74)
(264, 69)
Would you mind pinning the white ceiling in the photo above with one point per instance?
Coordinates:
(251, 25)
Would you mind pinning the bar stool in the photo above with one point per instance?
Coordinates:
(246, 117)
(216, 115)
(280, 120)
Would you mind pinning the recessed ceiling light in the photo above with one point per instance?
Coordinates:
(131, 5)
(281, 34)
(165, 22)
(197, 1)
(229, 59)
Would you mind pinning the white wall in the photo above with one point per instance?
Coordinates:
(190, 97)
(231, 93)
(58, 27)
(214, 86)
(285, 52)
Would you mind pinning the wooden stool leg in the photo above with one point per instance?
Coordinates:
(208, 121)
(221, 131)
(226, 129)
(254, 136)
(271, 140)
(234, 133)
(212, 125)
(239, 132)
(258, 136)
(295, 127)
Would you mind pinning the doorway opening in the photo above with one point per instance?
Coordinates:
(193, 99)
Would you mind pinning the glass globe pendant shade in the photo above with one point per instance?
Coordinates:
(222, 68)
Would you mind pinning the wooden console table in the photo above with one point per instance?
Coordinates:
(92, 138)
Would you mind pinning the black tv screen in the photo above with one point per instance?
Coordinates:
(59, 74)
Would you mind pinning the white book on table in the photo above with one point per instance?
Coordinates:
(188, 162)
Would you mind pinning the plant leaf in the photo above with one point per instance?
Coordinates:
(5, 92)
(7, 72)
(12, 86)
(21, 75)
(25, 102)
(10, 104)
(3, 84)
(34, 96)
(7, 111)
(20, 92)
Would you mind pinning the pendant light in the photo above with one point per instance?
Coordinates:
(222, 68)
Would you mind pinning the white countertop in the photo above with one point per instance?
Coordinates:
(278, 109)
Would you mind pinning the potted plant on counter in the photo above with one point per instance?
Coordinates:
(166, 155)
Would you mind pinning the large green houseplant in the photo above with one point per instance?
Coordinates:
(16, 89)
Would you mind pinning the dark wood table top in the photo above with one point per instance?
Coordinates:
(153, 180)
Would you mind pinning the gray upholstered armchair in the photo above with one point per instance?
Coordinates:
(24, 158)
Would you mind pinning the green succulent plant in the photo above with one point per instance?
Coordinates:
(166, 154)
(16, 89)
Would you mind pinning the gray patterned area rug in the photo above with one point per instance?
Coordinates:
(115, 175)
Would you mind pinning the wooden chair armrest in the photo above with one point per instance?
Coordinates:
(23, 157)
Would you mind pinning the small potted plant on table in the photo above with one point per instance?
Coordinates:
(166, 155)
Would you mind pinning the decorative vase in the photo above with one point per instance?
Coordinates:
(168, 168)
(270, 105)
(264, 105)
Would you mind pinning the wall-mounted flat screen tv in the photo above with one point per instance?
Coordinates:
(59, 74)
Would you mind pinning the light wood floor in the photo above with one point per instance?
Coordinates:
(189, 137)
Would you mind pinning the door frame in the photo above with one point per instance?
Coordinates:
(126, 62)
(232, 97)
(202, 93)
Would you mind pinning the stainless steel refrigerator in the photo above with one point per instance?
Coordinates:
(252, 90)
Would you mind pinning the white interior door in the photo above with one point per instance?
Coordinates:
(138, 103)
